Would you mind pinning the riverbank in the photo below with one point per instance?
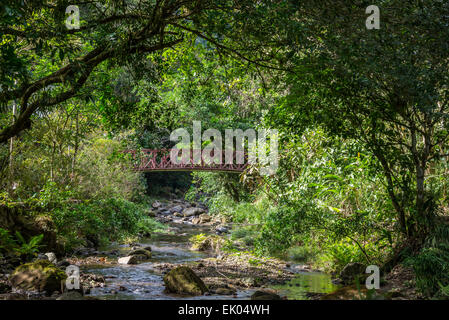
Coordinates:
(202, 243)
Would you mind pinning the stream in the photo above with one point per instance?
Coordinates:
(142, 282)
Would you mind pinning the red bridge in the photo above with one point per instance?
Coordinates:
(160, 160)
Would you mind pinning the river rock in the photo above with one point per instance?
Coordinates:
(264, 295)
(40, 275)
(221, 229)
(202, 218)
(225, 291)
(249, 282)
(51, 257)
(164, 212)
(176, 209)
(128, 260)
(351, 271)
(188, 212)
(41, 256)
(183, 280)
(196, 220)
(141, 254)
(156, 204)
(211, 242)
(205, 218)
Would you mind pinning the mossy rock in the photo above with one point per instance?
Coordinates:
(211, 242)
(144, 252)
(183, 280)
(188, 212)
(40, 275)
(264, 295)
(141, 254)
(225, 291)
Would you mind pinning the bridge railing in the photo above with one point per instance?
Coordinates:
(195, 159)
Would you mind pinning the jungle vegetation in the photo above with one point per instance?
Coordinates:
(362, 117)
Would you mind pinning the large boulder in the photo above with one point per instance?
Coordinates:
(188, 212)
(183, 280)
(352, 271)
(40, 275)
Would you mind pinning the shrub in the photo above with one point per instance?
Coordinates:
(246, 234)
(431, 267)
(431, 264)
(304, 254)
(106, 220)
(253, 211)
(18, 245)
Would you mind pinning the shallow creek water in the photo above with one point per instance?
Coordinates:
(142, 283)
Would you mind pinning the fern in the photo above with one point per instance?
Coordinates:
(28, 248)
